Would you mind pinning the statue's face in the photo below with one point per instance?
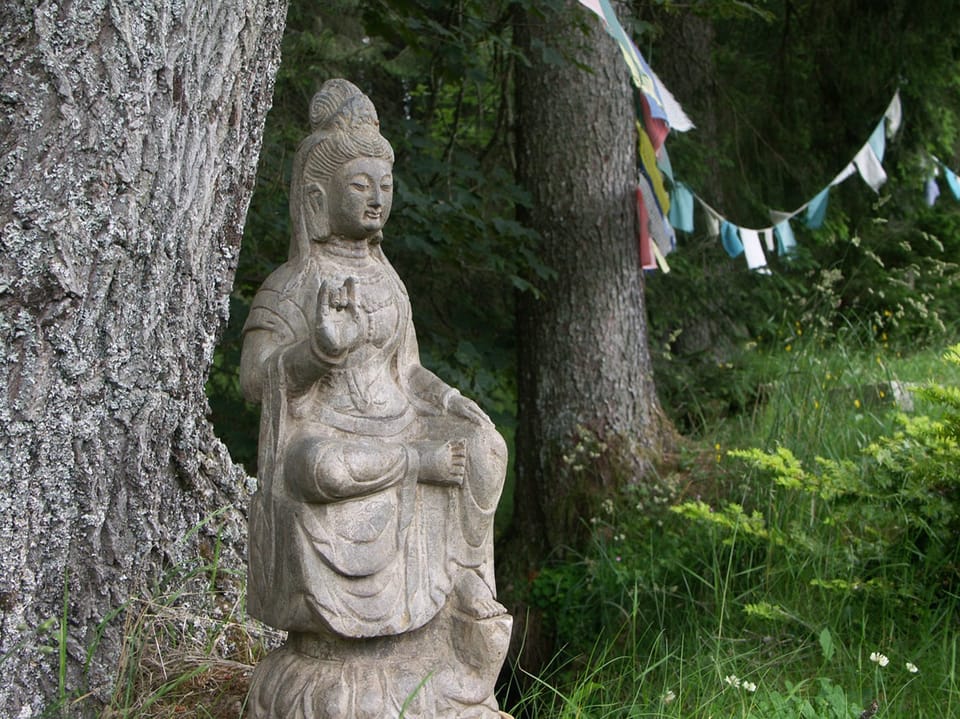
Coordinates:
(359, 198)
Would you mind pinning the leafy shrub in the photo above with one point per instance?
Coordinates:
(883, 528)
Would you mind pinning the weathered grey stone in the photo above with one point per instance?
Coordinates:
(371, 530)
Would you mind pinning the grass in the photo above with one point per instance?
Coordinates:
(683, 606)
(190, 648)
(743, 595)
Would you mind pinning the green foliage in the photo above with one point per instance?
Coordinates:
(885, 526)
(767, 583)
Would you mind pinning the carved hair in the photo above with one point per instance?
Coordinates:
(348, 126)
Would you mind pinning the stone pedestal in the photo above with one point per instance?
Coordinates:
(444, 670)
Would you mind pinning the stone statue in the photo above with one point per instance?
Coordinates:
(371, 530)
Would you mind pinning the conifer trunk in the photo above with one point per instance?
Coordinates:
(129, 139)
(590, 420)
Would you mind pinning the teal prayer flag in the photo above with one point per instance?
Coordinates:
(952, 181)
(786, 242)
(878, 141)
(663, 162)
(681, 208)
(817, 209)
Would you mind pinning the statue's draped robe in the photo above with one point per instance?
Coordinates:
(343, 536)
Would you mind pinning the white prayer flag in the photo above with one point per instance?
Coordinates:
(752, 249)
(870, 168)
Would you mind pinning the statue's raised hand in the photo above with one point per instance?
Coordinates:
(339, 325)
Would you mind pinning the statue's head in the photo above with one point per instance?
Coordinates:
(342, 182)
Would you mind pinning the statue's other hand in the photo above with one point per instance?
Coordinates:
(339, 323)
(460, 406)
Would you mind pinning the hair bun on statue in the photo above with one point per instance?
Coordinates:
(341, 105)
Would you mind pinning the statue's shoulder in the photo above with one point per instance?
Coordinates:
(280, 280)
(286, 284)
(277, 305)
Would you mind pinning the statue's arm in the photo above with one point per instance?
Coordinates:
(270, 336)
(253, 364)
(303, 363)
(432, 393)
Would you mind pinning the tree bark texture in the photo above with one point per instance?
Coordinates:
(129, 140)
(589, 415)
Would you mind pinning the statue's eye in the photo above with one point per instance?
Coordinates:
(358, 185)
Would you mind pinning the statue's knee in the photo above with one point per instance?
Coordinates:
(486, 466)
(316, 470)
(489, 451)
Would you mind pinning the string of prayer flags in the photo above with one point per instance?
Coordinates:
(779, 237)
(660, 213)
(660, 112)
(660, 109)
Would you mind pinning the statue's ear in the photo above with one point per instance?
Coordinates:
(315, 215)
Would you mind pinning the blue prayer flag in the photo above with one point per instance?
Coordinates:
(931, 191)
(730, 239)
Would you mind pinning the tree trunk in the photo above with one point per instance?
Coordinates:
(590, 420)
(129, 139)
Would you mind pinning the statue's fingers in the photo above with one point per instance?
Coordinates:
(350, 286)
(350, 290)
(323, 298)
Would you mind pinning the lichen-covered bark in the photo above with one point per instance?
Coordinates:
(129, 137)
(585, 373)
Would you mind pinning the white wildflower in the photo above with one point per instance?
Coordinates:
(749, 686)
(878, 658)
(669, 696)
(912, 668)
(732, 680)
